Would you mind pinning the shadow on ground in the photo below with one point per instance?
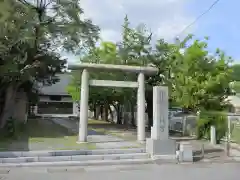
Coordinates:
(37, 133)
(43, 134)
(46, 134)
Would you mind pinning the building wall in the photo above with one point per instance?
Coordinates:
(57, 89)
(46, 99)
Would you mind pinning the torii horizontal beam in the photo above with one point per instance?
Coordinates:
(112, 67)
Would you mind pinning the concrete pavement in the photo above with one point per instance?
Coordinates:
(199, 171)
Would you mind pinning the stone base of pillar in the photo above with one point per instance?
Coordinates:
(158, 147)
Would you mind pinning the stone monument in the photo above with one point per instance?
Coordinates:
(159, 144)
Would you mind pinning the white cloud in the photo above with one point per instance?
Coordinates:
(165, 18)
(110, 35)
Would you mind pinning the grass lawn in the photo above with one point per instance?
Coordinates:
(39, 134)
(117, 130)
(98, 122)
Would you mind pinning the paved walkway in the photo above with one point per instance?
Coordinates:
(217, 171)
(110, 141)
(102, 140)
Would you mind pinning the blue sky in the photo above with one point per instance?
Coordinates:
(221, 24)
(166, 18)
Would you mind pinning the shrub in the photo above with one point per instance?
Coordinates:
(212, 118)
(12, 128)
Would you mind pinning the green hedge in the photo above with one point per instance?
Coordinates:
(209, 118)
(236, 87)
(12, 128)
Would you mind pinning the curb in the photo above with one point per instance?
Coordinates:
(15, 154)
(101, 163)
(81, 158)
(79, 163)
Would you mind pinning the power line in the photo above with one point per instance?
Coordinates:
(200, 16)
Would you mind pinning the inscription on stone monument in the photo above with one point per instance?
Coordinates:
(162, 118)
(159, 144)
(162, 124)
(160, 112)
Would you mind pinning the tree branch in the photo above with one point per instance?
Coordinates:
(27, 3)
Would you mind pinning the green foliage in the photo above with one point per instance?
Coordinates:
(197, 79)
(74, 92)
(12, 128)
(212, 118)
(32, 34)
(236, 72)
(236, 86)
(132, 50)
(201, 80)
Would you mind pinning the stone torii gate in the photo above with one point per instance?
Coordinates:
(86, 82)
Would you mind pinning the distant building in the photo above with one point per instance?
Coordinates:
(235, 102)
(54, 99)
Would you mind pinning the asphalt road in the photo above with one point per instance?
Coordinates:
(229, 171)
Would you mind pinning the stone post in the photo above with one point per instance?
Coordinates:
(160, 113)
(35, 110)
(213, 135)
(82, 136)
(159, 144)
(141, 108)
(75, 109)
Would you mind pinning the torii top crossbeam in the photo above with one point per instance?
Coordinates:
(111, 67)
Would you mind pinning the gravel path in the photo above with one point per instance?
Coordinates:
(102, 141)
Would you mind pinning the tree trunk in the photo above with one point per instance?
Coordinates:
(2, 100)
(101, 112)
(9, 103)
(111, 113)
(106, 112)
(149, 100)
(133, 115)
(21, 107)
(98, 111)
(95, 111)
(119, 113)
(125, 115)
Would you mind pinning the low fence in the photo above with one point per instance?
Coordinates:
(234, 128)
(185, 125)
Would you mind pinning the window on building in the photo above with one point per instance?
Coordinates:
(55, 98)
(55, 108)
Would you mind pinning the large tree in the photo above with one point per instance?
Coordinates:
(195, 78)
(32, 35)
(134, 49)
(201, 80)
(236, 72)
